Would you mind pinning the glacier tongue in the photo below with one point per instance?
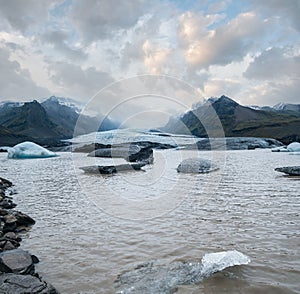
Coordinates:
(29, 150)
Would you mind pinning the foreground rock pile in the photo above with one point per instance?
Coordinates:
(17, 266)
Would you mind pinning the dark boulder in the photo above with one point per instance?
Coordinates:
(5, 183)
(10, 223)
(23, 219)
(21, 284)
(17, 261)
(7, 203)
(131, 153)
(289, 170)
(196, 165)
(111, 169)
(235, 143)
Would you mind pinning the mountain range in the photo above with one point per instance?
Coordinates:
(55, 118)
(223, 116)
(47, 122)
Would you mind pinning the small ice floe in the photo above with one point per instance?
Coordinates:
(293, 147)
(153, 277)
(197, 165)
(215, 262)
(29, 150)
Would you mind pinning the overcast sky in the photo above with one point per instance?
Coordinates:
(248, 50)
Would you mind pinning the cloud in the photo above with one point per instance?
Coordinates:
(275, 63)
(15, 81)
(21, 15)
(277, 74)
(217, 87)
(77, 82)
(287, 10)
(74, 48)
(225, 44)
(155, 58)
(271, 93)
(99, 19)
(59, 41)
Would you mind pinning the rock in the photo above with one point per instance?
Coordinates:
(23, 219)
(9, 241)
(110, 169)
(196, 165)
(289, 170)
(3, 212)
(21, 284)
(7, 204)
(9, 246)
(131, 153)
(5, 183)
(12, 236)
(16, 261)
(10, 223)
(143, 144)
(236, 143)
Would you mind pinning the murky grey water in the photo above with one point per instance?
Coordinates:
(90, 228)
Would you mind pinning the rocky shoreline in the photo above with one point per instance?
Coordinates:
(17, 266)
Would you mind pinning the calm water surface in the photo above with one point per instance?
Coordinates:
(91, 228)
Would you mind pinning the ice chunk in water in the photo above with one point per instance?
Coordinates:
(214, 262)
(29, 150)
(153, 278)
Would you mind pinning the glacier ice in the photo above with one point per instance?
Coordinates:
(153, 277)
(293, 147)
(29, 150)
(215, 262)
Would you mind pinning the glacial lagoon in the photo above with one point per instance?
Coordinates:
(90, 228)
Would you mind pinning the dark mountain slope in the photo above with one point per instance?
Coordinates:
(236, 121)
(30, 120)
(8, 138)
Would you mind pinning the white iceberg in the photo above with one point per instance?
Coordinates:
(29, 150)
(279, 149)
(215, 262)
(154, 277)
(293, 147)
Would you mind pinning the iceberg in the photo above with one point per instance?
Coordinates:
(153, 277)
(29, 150)
(215, 262)
(293, 147)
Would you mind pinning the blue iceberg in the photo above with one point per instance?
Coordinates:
(29, 150)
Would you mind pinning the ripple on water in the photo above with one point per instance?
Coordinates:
(83, 248)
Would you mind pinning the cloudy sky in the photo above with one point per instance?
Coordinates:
(248, 50)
